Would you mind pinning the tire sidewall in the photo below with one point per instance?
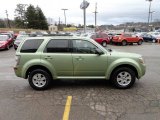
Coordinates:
(123, 69)
(124, 43)
(140, 42)
(48, 79)
(104, 44)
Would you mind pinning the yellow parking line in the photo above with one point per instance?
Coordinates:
(67, 108)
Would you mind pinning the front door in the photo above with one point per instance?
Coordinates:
(86, 62)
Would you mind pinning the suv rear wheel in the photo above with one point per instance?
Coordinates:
(123, 78)
(39, 79)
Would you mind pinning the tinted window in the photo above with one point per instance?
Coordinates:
(85, 47)
(93, 36)
(58, 46)
(3, 37)
(104, 35)
(127, 35)
(31, 45)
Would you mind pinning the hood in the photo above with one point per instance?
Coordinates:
(3, 42)
(125, 54)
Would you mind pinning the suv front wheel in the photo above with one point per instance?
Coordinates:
(123, 78)
(39, 79)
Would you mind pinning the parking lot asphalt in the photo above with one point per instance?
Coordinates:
(91, 99)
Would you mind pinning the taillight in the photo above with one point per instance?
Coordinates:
(17, 58)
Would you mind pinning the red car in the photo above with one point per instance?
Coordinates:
(101, 38)
(5, 42)
(126, 38)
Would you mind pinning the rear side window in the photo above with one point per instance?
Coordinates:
(58, 46)
(31, 45)
(127, 35)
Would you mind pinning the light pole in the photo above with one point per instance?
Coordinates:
(95, 12)
(83, 6)
(26, 25)
(64, 14)
(149, 12)
(152, 14)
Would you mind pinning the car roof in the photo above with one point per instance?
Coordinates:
(57, 37)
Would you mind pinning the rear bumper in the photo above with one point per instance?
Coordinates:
(17, 71)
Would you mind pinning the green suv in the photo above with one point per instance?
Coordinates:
(44, 59)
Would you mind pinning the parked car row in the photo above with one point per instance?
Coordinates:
(9, 39)
(126, 38)
(6, 40)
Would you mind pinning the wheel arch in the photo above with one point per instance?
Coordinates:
(125, 65)
(37, 67)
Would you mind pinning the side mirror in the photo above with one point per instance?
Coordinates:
(99, 52)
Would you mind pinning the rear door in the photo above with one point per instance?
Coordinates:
(58, 54)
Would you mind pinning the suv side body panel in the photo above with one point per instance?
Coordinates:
(28, 60)
(59, 63)
(90, 64)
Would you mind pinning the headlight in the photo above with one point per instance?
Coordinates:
(141, 60)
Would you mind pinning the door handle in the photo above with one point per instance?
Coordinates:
(79, 58)
(48, 57)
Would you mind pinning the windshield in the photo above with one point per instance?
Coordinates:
(3, 37)
(117, 35)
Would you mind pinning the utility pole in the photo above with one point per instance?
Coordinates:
(151, 15)
(149, 12)
(64, 9)
(95, 16)
(8, 19)
(84, 15)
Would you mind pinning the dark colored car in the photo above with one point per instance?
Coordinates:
(149, 38)
(5, 42)
(19, 39)
(101, 38)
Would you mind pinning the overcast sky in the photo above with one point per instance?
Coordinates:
(109, 11)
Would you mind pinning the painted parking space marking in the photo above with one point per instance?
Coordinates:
(67, 108)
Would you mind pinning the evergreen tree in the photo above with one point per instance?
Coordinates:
(31, 17)
(41, 19)
(2, 23)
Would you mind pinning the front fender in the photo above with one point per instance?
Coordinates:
(122, 61)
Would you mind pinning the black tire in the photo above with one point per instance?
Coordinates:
(140, 42)
(125, 81)
(124, 42)
(35, 82)
(104, 44)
